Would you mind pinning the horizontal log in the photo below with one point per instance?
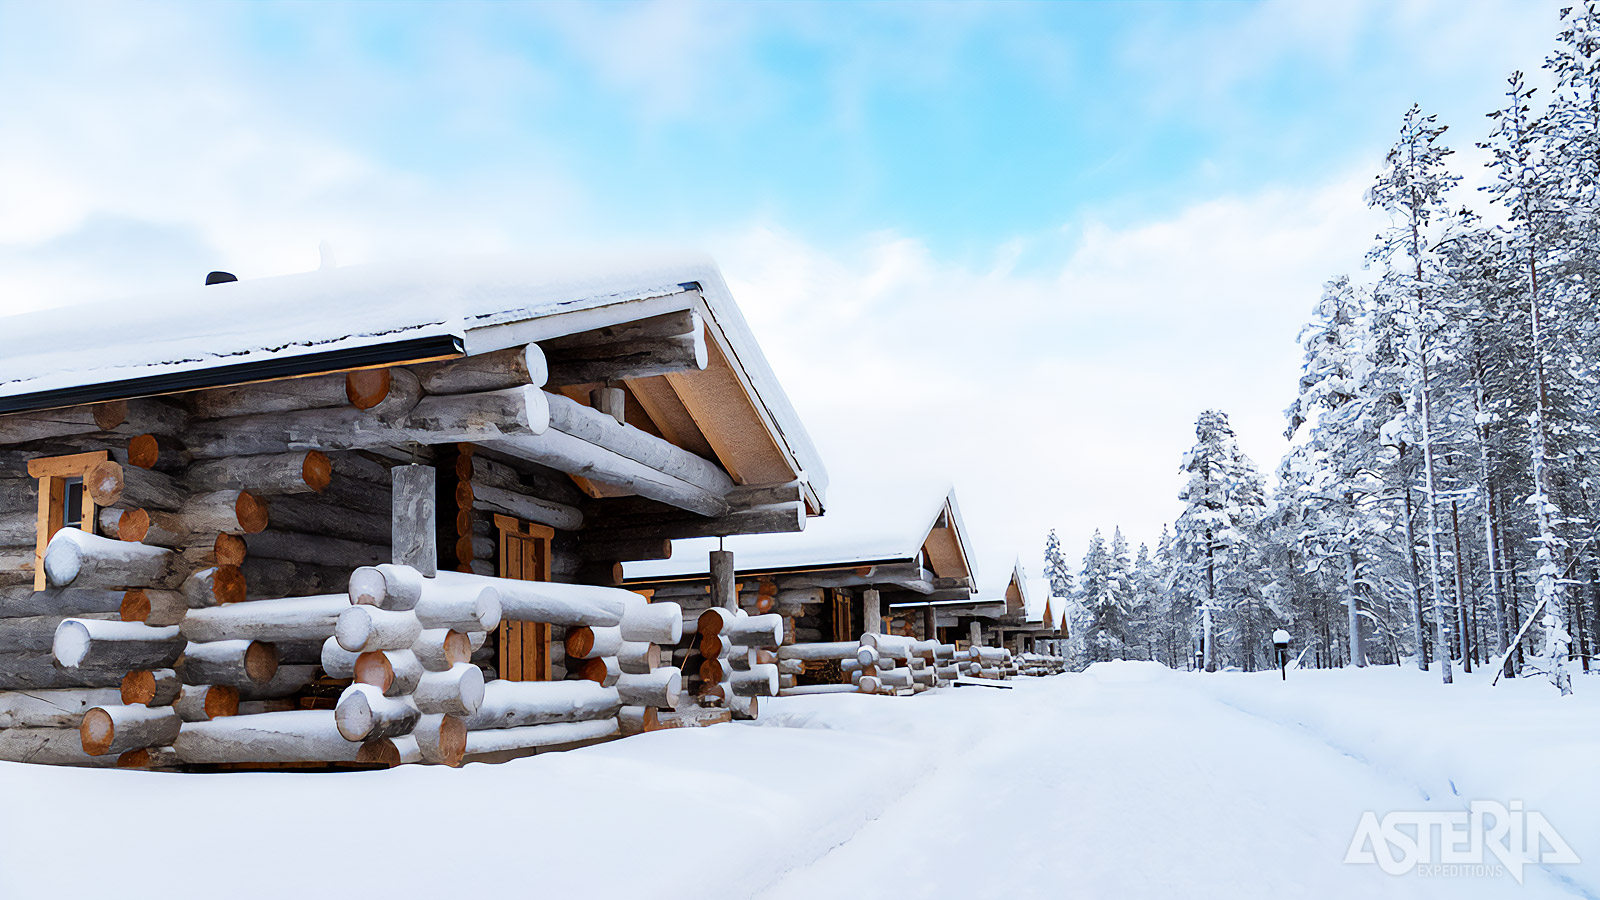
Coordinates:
(150, 687)
(594, 427)
(204, 702)
(764, 631)
(124, 417)
(656, 623)
(236, 663)
(278, 578)
(153, 607)
(513, 704)
(438, 648)
(386, 393)
(99, 644)
(493, 371)
(458, 606)
(528, 507)
(636, 359)
(111, 484)
(658, 689)
(40, 671)
(23, 600)
(111, 730)
(758, 681)
(19, 496)
(282, 395)
(820, 651)
(670, 324)
(159, 452)
(800, 690)
(287, 681)
(436, 420)
(77, 559)
(277, 737)
(35, 634)
(394, 672)
(638, 657)
(305, 514)
(386, 586)
(304, 471)
(501, 740)
(457, 691)
(49, 746)
(603, 671)
(365, 714)
(390, 752)
(552, 602)
(291, 619)
(59, 708)
(317, 550)
(586, 642)
(363, 628)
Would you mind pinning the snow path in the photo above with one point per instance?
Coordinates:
(1125, 782)
(1131, 781)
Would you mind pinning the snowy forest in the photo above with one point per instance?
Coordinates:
(1438, 505)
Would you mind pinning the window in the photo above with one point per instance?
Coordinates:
(63, 503)
(525, 555)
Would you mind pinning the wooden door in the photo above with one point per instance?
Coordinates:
(524, 555)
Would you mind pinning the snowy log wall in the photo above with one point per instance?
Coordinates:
(213, 574)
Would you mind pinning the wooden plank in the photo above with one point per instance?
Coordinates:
(723, 412)
(71, 466)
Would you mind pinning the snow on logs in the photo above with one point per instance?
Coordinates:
(77, 559)
(97, 644)
(117, 729)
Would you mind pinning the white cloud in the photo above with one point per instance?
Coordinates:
(1056, 400)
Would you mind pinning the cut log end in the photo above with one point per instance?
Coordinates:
(135, 607)
(373, 668)
(104, 483)
(97, 732)
(366, 388)
(228, 584)
(317, 470)
(261, 661)
(108, 416)
(251, 512)
(143, 451)
(133, 525)
(222, 700)
(229, 550)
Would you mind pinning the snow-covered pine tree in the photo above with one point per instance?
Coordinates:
(1056, 568)
(1411, 188)
(1098, 590)
(1522, 187)
(1224, 503)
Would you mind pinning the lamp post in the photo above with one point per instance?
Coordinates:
(1280, 644)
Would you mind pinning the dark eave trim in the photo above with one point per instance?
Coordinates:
(392, 353)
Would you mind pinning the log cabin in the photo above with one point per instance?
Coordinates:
(368, 516)
(857, 591)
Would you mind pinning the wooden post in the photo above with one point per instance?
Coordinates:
(724, 588)
(976, 629)
(611, 401)
(930, 623)
(871, 612)
(414, 536)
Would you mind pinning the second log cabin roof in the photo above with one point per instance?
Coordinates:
(869, 527)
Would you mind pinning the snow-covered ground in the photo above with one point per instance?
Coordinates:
(1128, 781)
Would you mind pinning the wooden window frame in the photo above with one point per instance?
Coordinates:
(524, 647)
(53, 472)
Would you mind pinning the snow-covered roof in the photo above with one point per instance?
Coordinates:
(880, 522)
(487, 303)
(1035, 597)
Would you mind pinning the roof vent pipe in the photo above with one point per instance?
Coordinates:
(220, 277)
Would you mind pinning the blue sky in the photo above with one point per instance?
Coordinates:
(1028, 241)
